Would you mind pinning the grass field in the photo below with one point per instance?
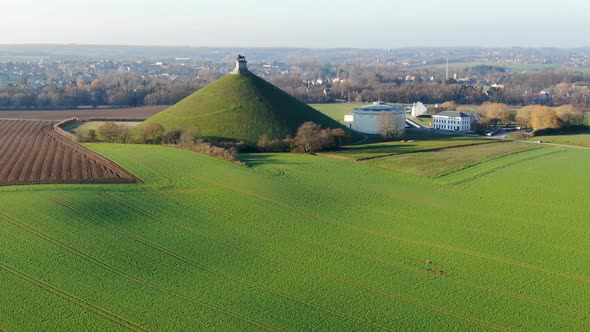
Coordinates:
(412, 143)
(572, 139)
(439, 163)
(337, 111)
(426, 122)
(206, 244)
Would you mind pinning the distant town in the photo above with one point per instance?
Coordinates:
(71, 76)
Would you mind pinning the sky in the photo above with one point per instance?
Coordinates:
(301, 23)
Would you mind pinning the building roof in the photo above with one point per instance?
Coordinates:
(379, 107)
(582, 83)
(453, 114)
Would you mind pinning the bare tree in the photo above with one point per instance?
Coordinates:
(110, 132)
(153, 132)
(391, 125)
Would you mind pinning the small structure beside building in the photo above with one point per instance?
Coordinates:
(452, 121)
(419, 109)
(370, 119)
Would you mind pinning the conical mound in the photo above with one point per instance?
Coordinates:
(241, 107)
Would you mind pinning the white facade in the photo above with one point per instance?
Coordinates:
(369, 119)
(452, 121)
(419, 109)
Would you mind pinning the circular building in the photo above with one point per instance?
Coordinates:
(373, 119)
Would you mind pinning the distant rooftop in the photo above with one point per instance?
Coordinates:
(453, 114)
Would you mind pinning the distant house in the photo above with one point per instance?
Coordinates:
(452, 121)
(419, 109)
(581, 85)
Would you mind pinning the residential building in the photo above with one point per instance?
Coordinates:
(452, 121)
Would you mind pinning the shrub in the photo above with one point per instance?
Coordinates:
(153, 133)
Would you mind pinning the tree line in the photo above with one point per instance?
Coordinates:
(355, 83)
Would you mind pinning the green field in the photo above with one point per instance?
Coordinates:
(337, 111)
(440, 163)
(411, 143)
(571, 139)
(299, 242)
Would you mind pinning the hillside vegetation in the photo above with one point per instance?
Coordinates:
(241, 107)
(297, 242)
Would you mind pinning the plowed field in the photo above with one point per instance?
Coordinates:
(32, 152)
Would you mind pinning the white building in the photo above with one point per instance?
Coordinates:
(452, 121)
(369, 119)
(419, 109)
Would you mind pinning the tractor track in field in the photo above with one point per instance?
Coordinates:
(337, 278)
(500, 167)
(469, 166)
(363, 230)
(73, 299)
(244, 249)
(195, 263)
(131, 277)
(389, 263)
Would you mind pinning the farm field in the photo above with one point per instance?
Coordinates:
(206, 244)
(443, 162)
(84, 114)
(32, 152)
(412, 143)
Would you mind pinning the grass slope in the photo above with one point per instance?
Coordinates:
(299, 243)
(241, 107)
(578, 139)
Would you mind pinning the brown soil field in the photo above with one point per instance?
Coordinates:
(33, 152)
(84, 114)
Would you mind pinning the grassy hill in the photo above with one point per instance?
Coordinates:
(241, 107)
(298, 242)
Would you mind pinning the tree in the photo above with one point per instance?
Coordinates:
(524, 115)
(91, 137)
(153, 132)
(449, 105)
(173, 136)
(495, 112)
(543, 117)
(339, 134)
(390, 125)
(308, 139)
(569, 116)
(110, 132)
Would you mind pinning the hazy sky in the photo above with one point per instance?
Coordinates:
(301, 23)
